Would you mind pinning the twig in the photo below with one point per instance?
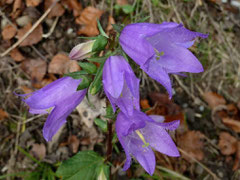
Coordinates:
(30, 30)
(202, 165)
(51, 29)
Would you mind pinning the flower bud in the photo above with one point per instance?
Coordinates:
(81, 51)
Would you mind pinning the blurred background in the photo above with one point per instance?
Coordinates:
(207, 104)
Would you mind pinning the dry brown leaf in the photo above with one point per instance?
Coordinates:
(122, 2)
(33, 38)
(57, 11)
(26, 89)
(75, 6)
(33, 3)
(232, 109)
(61, 64)
(9, 1)
(227, 143)
(192, 142)
(213, 99)
(39, 150)
(237, 160)
(36, 68)
(17, 8)
(232, 123)
(73, 143)
(144, 104)
(16, 55)
(88, 20)
(3, 114)
(8, 32)
(110, 22)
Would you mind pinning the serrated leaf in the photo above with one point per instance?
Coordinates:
(101, 123)
(81, 166)
(76, 75)
(100, 43)
(88, 67)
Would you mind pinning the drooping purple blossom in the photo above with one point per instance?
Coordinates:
(120, 84)
(58, 98)
(161, 49)
(139, 134)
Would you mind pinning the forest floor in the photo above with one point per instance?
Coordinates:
(208, 103)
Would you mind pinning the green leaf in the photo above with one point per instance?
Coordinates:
(86, 80)
(97, 82)
(100, 43)
(127, 9)
(88, 67)
(103, 172)
(81, 166)
(33, 176)
(76, 75)
(98, 59)
(117, 27)
(101, 123)
(101, 29)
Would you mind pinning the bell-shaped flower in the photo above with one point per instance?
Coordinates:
(161, 49)
(139, 134)
(82, 50)
(59, 99)
(120, 84)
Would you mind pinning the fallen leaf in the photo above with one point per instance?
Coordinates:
(17, 55)
(61, 64)
(110, 22)
(3, 114)
(73, 143)
(75, 6)
(26, 89)
(33, 3)
(237, 159)
(57, 11)
(232, 123)
(17, 8)
(213, 99)
(38, 150)
(8, 32)
(36, 68)
(122, 2)
(88, 21)
(192, 142)
(232, 111)
(144, 104)
(227, 143)
(165, 107)
(33, 38)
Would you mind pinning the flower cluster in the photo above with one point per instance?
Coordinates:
(159, 50)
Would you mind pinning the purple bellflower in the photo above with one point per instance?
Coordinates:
(139, 134)
(59, 99)
(120, 84)
(161, 49)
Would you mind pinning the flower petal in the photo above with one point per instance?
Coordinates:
(144, 155)
(81, 51)
(60, 112)
(53, 93)
(175, 58)
(157, 72)
(113, 76)
(160, 139)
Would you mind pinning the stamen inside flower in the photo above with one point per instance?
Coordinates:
(146, 144)
(158, 54)
(49, 110)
